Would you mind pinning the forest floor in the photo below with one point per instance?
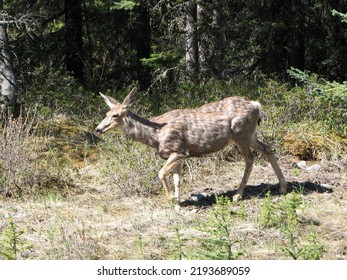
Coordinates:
(94, 216)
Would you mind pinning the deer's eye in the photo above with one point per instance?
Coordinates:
(115, 116)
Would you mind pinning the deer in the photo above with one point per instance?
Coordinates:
(183, 133)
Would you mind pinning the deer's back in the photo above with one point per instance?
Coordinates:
(232, 107)
(206, 129)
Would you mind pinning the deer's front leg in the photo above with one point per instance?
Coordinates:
(172, 164)
(176, 179)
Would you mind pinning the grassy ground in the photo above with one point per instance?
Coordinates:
(80, 197)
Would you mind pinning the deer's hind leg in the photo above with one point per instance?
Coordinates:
(249, 158)
(172, 164)
(266, 151)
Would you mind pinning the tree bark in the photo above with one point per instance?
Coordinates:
(191, 41)
(8, 83)
(204, 46)
(74, 55)
(143, 44)
(210, 39)
(217, 31)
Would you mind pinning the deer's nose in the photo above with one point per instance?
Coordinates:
(98, 130)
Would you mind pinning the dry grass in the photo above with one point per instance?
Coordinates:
(108, 203)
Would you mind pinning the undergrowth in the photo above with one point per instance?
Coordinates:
(128, 166)
(216, 238)
(12, 243)
(219, 241)
(283, 215)
(17, 158)
(326, 101)
(212, 238)
(31, 163)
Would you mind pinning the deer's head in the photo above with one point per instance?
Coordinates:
(117, 111)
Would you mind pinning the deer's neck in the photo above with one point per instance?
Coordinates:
(141, 129)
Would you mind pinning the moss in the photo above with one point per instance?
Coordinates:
(73, 142)
(305, 149)
(309, 143)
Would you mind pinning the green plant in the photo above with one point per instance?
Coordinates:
(177, 244)
(268, 216)
(124, 5)
(283, 215)
(139, 244)
(328, 100)
(309, 249)
(12, 243)
(218, 241)
(295, 172)
(342, 16)
(313, 248)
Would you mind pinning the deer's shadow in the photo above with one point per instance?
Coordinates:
(205, 199)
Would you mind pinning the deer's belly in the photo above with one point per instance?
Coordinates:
(194, 139)
(208, 140)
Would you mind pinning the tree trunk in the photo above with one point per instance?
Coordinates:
(210, 39)
(74, 55)
(8, 82)
(143, 44)
(204, 46)
(191, 41)
(217, 31)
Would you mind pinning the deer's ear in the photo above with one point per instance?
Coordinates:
(111, 102)
(131, 97)
(128, 100)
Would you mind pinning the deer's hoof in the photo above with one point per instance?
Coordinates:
(237, 197)
(174, 199)
(177, 207)
(283, 189)
(175, 202)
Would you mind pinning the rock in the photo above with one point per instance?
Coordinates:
(25, 254)
(314, 167)
(199, 196)
(327, 188)
(302, 164)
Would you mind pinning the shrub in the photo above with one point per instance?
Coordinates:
(11, 242)
(29, 162)
(218, 242)
(283, 215)
(328, 100)
(128, 165)
(16, 165)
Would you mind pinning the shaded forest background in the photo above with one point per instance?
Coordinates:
(109, 45)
